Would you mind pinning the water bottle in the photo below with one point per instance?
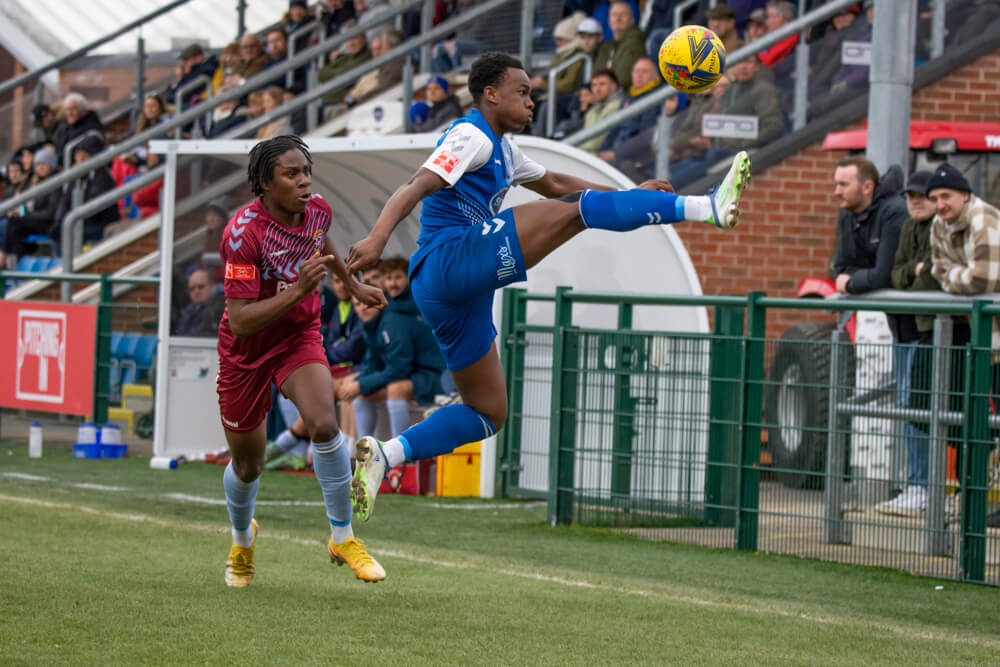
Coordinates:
(162, 463)
(35, 441)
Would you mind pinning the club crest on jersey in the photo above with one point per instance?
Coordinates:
(241, 271)
(497, 201)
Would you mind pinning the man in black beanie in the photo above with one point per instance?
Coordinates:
(965, 250)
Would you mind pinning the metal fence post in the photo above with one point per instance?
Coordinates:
(140, 76)
(725, 395)
(527, 33)
(241, 18)
(623, 430)
(562, 427)
(976, 445)
(938, 542)
(835, 529)
(426, 23)
(102, 354)
(750, 424)
(509, 443)
(407, 94)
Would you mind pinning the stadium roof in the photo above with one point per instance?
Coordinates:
(37, 31)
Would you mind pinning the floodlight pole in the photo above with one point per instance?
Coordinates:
(891, 76)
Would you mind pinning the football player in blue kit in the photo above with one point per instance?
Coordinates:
(468, 249)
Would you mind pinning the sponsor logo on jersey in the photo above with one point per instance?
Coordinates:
(282, 286)
(447, 161)
(230, 424)
(241, 271)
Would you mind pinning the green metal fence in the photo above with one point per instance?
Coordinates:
(798, 444)
(111, 315)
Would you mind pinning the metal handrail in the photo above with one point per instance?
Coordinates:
(255, 82)
(307, 29)
(13, 83)
(550, 106)
(182, 91)
(682, 6)
(660, 94)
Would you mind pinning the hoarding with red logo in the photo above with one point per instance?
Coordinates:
(47, 356)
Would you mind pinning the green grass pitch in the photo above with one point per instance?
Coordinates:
(108, 562)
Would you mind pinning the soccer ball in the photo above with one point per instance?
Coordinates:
(692, 59)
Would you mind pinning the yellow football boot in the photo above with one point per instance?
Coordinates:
(353, 553)
(239, 566)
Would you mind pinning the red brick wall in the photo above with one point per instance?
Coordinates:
(788, 228)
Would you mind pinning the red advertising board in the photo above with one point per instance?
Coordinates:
(47, 356)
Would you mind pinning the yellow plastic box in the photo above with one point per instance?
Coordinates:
(137, 397)
(458, 472)
(124, 418)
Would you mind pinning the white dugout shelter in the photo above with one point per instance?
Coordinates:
(357, 176)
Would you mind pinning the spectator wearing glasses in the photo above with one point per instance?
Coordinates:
(201, 316)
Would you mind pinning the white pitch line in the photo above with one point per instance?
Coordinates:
(484, 506)
(99, 487)
(24, 475)
(202, 500)
(665, 595)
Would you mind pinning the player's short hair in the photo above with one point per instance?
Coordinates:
(489, 69)
(264, 156)
(397, 263)
(867, 171)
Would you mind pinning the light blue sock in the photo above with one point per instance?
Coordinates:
(286, 440)
(447, 428)
(625, 210)
(240, 498)
(399, 414)
(364, 416)
(332, 465)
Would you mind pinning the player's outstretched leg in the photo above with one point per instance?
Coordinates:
(626, 210)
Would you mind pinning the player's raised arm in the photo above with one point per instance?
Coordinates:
(367, 251)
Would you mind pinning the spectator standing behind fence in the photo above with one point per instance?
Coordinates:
(756, 25)
(871, 216)
(965, 253)
(80, 119)
(47, 121)
(298, 16)
(965, 240)
(277, 52)
(625, 48)
(912, 271)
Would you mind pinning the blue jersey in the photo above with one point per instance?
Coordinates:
(479, 167)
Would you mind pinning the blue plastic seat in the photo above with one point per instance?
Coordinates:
(145, 352)
(27, 264)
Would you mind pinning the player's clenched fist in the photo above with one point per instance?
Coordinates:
(369, 295)
(311, 274)
(364, 254)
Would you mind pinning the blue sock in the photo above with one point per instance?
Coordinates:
(240, 498)
(399, 414)
(332, 465)
(364, 416)
(625, 210)
(447, 428)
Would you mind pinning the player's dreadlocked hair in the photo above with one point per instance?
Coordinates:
(489, 69)
(264, 156)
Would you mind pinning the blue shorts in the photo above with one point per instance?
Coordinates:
(454, 284)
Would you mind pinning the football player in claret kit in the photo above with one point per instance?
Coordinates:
(276, 252)
(469, 248)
